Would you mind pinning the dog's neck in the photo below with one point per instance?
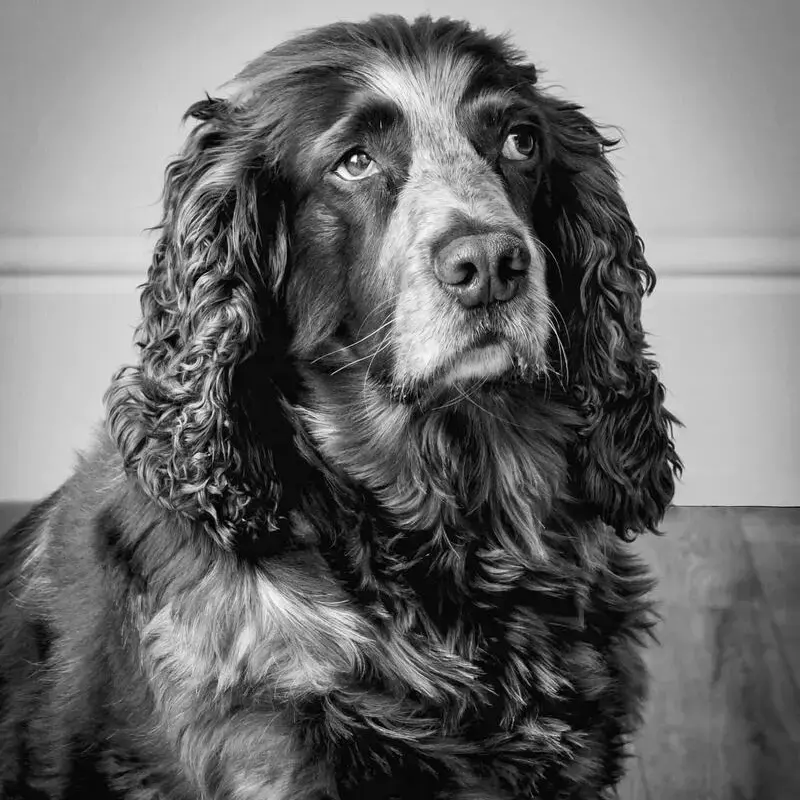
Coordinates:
(486, 468)
(471, 505)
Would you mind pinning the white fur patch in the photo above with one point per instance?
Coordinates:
(447, 178)
(422, 90)
(484, 362)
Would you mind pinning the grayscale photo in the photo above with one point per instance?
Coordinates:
(399, 401)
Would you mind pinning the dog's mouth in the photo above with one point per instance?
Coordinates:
(485, 363)
(488, 359)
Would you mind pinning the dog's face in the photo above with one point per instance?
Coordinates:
(389, 212)
(414, 265)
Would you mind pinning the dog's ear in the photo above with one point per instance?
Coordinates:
(625, 460)
(184, 417)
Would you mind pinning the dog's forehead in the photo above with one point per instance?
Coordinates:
(427, 91)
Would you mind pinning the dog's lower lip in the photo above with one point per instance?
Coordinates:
(488, 359)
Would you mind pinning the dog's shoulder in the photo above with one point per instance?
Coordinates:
(60, 529)
(60, 622)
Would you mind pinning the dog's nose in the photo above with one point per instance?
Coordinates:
(482, 269)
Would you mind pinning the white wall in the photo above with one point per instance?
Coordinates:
(92, 92)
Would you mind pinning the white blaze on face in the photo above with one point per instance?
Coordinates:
(447, 178)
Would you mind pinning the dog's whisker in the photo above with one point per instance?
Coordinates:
(385, 343)
(562, 323)
(355, 361)
(556, 262)
(353, 344)
(378, 307)
(563, 361)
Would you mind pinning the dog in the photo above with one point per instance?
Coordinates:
(358, 524)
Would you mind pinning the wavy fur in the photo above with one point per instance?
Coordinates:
(344, 538)
(626, 455)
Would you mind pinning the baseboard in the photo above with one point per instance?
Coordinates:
(36, 256)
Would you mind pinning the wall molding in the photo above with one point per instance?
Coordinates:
(711, 256)
(39, 256)
(78, 264)
(70, 265)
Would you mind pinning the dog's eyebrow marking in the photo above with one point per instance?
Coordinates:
(438, 82)
(492, 102)
(370, 114)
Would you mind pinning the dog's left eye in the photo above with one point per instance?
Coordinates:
(520, 144)
(356, 166)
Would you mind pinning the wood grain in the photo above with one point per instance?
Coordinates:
(773, 538)
(724, 716)
(10, 513)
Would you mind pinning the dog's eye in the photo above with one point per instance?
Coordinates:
(356, 166)
(520, 144)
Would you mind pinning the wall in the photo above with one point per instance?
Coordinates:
(92, 96)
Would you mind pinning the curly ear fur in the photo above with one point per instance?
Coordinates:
(177, 417)
(626, 460)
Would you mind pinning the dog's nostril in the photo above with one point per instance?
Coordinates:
(512, 265)
(462, 274)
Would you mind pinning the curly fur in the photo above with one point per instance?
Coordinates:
(626, 455)
(304, 562)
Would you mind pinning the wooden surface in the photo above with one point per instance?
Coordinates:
(10, 513)
(723, 721)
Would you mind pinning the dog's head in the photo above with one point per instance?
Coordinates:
(397, 206)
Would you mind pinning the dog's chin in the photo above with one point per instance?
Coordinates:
(488, 367)
(478, 365)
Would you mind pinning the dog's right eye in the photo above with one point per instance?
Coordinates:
(356, 166)
(520, 144)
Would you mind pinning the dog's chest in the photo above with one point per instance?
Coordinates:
(548, 659)
(489, 588)
(520, 625)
